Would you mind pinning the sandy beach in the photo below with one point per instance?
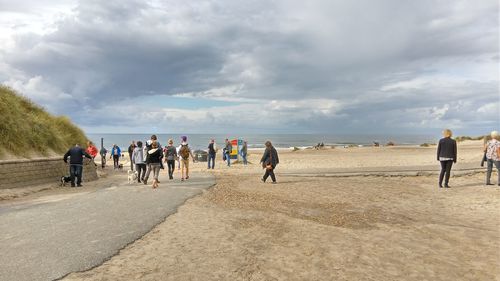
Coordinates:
(311, 227)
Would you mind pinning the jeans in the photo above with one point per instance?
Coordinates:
(75, 170)
(155, 167)
(211, 159)
(228, 159)
(445, 170)
(171, 168)
(490, 169)
(116, 160)
(141, 171)
(269, 172)
(244, 156)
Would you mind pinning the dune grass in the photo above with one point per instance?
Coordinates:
(464, 138)
(27, 129)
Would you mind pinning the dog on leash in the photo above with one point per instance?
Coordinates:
(65, 180)
(132, 176)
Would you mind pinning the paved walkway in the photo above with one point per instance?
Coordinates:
(52, 236)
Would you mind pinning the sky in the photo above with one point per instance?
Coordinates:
(254, 66)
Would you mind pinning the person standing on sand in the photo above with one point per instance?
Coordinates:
(139, 161)
(212, 151)
(184, 151)
(103, 153)
(116, 153)
(243, 153)
(446, 155)
(170, 156)
(269, 161)
(492, 148)
(76, 155)
(154, 158)
(227, 152)
(91, 149)
(130, 151)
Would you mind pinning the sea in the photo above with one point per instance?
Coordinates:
(282, 141)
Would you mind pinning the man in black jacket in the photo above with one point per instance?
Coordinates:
(446, 155)
(76, 155)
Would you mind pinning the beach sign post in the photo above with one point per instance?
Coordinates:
(236, 149)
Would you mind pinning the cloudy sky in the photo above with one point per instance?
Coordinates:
(284, 66)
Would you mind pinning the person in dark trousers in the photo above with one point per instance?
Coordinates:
(446, 155)
(139, 159)
(227, 151)
(212, 151)
(170, 152)
(269, 161)
(76, 155)
(103, 153)
(492, 149)
(116, 153)
(130, 151)
(243, 153)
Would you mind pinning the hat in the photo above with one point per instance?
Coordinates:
(184, 138)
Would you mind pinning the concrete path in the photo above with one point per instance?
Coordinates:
(52, 236)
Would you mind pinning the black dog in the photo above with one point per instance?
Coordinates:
(64, 180)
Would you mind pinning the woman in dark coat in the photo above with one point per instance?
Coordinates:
(269, 161)
(446, 155)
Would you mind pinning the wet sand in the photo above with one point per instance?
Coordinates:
(325, 228)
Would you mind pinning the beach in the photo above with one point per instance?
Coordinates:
(326, 220)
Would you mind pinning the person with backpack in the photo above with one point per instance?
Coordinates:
(184, 151)
(227, 152)
(76, 155)
(212, 151)
(269, 161)
(170, 156)
(140, 161)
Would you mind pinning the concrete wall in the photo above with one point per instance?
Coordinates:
(22, 173)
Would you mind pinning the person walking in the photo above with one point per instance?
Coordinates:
(243, 152)
(170, 156)
(446, 155)
(227, 152)
(184, 151)
(91, 149)
(140, 161)
(76, 155)
(154, 158)
(130, 151)
(103, 153)
(269, 161)
(116, 153)
(492, 148)
(212, 151)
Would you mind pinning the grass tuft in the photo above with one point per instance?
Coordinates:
(27, 129)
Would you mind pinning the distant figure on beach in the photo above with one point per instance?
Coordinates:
(492, 148)
(130, 151)
(103, 153)
(140, 161)
(153, 160)
(227, 152)
(243, 152)
(184, 151)
(91, 149)
(269, 161)
(152, 139)
(116, 153)
(446, 155)
(170, 156)
(76, 155)
(485, 141)
(212, 152)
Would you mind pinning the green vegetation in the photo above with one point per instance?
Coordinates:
(464, 138)
(427, 144)
(27, 129)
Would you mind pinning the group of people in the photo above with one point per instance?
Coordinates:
(447, 156)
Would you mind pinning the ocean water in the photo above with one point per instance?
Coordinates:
(200, 141)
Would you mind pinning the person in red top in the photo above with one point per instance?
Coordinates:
(91, 149)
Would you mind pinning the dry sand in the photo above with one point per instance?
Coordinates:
(324, 228)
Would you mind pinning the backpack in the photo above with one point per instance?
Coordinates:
(184, 151)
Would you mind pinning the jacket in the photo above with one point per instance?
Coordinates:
(447, 148)
(154, 156)
(212, 149)
(138, 155)
(119, 151)
(270, 157)
(170, 152)
(76, 155)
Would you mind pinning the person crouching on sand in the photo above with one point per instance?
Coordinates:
(269, 161)
(446, 155)
(154, 158)
(492, 148)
